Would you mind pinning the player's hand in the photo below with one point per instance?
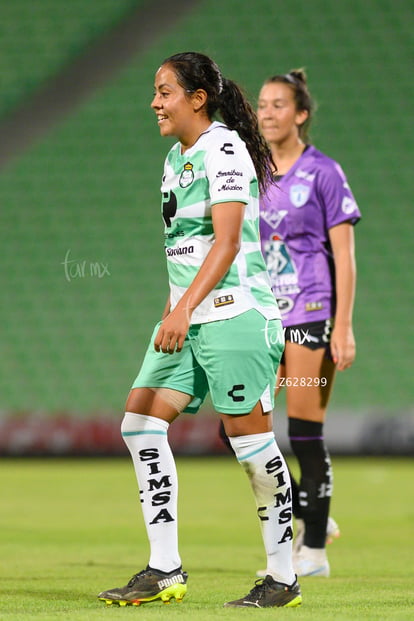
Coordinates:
(342, 347)
(172, 332)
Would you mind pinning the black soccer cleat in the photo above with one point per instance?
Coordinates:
(268, 593)
(147, 586)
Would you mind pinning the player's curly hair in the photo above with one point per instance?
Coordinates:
(194, 71)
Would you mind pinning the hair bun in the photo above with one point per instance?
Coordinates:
(299, 74)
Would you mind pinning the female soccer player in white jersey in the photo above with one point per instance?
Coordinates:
(306, 226)
(220, 332)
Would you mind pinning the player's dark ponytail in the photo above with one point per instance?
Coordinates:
(194, 71)
(238, 114)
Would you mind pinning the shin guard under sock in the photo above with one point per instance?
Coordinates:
(316, 482)
(147, 441)
(269, 477)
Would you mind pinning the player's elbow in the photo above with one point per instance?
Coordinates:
(236, 243)
(234, 248)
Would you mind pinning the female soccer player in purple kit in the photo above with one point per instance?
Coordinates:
(306, 222)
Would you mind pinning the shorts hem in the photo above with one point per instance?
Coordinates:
(163, 385)
(187, 410)
(233, 412)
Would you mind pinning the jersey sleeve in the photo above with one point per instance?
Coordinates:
(336, 196)
(229, 170)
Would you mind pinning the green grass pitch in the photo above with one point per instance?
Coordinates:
(70, 528)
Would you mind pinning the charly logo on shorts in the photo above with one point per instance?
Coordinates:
(299, 194)
(237, 388)
(187, 175)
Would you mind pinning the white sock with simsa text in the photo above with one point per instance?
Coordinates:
(269, 477)
(147, 441)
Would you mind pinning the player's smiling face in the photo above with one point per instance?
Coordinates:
(276, 112)
(172, 105)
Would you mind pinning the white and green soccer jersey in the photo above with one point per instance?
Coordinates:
(216, 169)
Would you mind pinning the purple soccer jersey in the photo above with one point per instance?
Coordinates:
(296, 214)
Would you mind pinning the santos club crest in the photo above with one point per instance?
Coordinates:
(187, 175)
